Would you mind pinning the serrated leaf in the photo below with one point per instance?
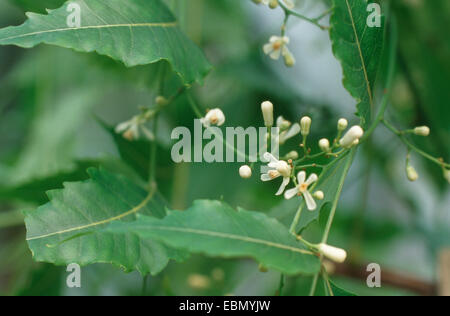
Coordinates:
(359, 49)
(215, 229)
(136, 32)
(67, 229)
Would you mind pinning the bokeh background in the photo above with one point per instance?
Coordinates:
(56, 106)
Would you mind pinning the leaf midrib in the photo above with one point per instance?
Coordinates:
(363, 62)
(233, 237)
(134, 210)
(88, 27)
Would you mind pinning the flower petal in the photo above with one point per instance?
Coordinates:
(289, 194)
(310, 203)
(312, 178)
(268, 48)
(265, 177)
(275, 54)
(301, 176)
(283, 185)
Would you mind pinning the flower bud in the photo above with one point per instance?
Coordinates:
(342, 125)
(351, 138)
(411, 173)
(422, 131)
(447, 175)
(273, 4)
(262, 268)
(267, 111)
(319, 195)
(305, 124)
(324, 145)
(292, 155)
(245, 172)
(161, 101)
(335, 254)
(289, 59)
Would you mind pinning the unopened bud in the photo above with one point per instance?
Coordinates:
(161, 101)
(319, 195)
(422, 131)
(289, 59)
(273, 4)
(267, 111)
(335, 254)
(245, 172)
(447, 175)
(324, 145)
(262, 268)
(351, 138)
(411, 173)
(342, 125)
(305, 124)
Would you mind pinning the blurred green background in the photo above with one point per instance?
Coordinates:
(52, 100)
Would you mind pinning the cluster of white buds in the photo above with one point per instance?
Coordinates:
(277, 47)
(335, 254)
(213, 117)
(422, 131)
(352, 137)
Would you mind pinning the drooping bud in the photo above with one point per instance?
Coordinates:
(319, 195)
(342, 125)
(305, 124)
(245, 172)
(161, 101)
(351, 138)
(411, 173)
(324, 145)
(273, 4)
(289, 59)
(422, 131)
(267, 111)
(335, 254)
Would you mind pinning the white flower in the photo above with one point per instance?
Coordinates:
(422, 131)
(277, 168)
(276, 47)
(213, 117)
(336, 254)
(130, 129)
(267, 111)
(302, 189)
(352, 137)
(289, 133)
(245, 172)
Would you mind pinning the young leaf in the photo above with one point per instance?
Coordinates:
(67, 229)
(358, 47)
(216, 229)
(136, 32)
(338, 291)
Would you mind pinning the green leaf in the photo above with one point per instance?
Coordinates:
(67, 229)
(338, 291)
(215, 229)
(359, 49)
(136, 32)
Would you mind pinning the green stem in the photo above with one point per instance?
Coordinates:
(281, 285)
(333, 213)
(301, 16)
